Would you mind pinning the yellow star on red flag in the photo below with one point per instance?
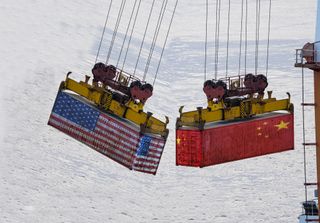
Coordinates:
(282, 125)
(178, 141)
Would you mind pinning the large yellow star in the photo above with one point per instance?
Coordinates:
(178, 141)
(282, 125)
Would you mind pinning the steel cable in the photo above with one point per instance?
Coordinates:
(115, 31)
(127, 30)
(155, 37)
(206, 43)
(241, 34)
(165, 42)
(246, 40)
(258, 7)
(217, 37)
(144, 36)
(132, 30)
(104, 29)
(268, 43)
(228, 39)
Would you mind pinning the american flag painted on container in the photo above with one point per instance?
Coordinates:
(114, 137)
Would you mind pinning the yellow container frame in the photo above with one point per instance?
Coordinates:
(219, 111)
(103, 99)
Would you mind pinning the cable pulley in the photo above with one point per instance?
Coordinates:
(113, 77)
(242, 68)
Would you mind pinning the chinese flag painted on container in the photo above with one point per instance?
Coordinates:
(238, 140)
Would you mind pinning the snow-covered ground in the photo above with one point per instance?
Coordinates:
(46, 176)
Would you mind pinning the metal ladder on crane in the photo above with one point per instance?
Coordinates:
(307, 58)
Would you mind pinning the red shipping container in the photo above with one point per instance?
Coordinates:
(222, 142)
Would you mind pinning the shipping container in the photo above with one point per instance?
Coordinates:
(112, 136)
(225, 141)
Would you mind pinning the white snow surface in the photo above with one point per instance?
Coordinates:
(46, 176)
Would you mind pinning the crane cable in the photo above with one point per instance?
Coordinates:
(206, 43)
(228, 39)
(165, 42)
(123, 3)
(155, 37)
(241, 34)
(217, 37)
(268, 43)
(104, 29)
(127, 30)
(246, 40)
(132, 30)
(258, 8)
(144, 36)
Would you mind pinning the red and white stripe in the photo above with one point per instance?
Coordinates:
(110, 142)
(114, 139)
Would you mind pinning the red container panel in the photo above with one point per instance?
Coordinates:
(230, 141)
(188, 149)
